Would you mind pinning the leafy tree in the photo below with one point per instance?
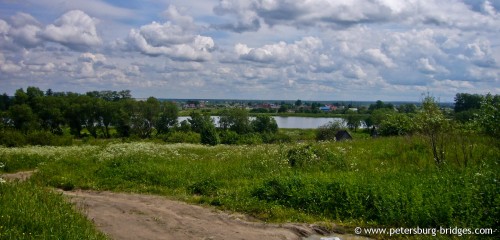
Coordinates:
(433, 125)
(407, 108)
(197, 121)
(20, 97)
(265, 124)
(298, 103)
(379, 105)
(145, 116)
(353, 120)
(123, 117)
(396, 124)
(106, 113)
(73, 114)
(488, 120)
(168, 117)
(379, 115)
(23, 117)
(328, 131)
(466, 101)
(50, 112)
(236, 119)
(34, 95)
(467, 106)
(5, 102)
(90, 114)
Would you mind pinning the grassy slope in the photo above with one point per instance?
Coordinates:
(386, 181)
(32, 212)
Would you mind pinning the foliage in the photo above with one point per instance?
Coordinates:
(383, 182)
(32, 212)
(396, 124)
(168, 117)
(235, 119)
(328, 131)
(353, 120)
(209, 134)
(467, 101)
(431, 123)
(301, 156)
(265, 124)
(182, 137)
(489, 116)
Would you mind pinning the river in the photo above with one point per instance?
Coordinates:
(290, 122)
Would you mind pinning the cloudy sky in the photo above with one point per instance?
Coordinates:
(253, 49)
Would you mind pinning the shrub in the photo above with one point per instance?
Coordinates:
(228, 137)
(182, 137)
(10, 138)
(207, 187)
(209, 134)
(327, 132)
(299, 157)
(249, 139)
(397, 125)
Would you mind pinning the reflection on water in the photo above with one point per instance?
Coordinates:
(290, 122)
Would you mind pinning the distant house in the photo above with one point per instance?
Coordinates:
(328, 108)
(342, 135)
(325, 108)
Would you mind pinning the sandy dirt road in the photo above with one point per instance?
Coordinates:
(139, 216)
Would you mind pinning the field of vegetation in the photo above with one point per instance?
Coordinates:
(427, 167)
(373, 182)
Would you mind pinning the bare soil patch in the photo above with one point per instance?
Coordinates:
(138, 216)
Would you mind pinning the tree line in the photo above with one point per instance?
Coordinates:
(107, 114)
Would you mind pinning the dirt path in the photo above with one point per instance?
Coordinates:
(137, 216)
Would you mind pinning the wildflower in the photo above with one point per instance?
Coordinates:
(2, 180)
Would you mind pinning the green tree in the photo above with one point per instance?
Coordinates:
(396, 124)
(433, 125)
(168, 117)
(145, 116)
(407, 108)
(489, 117)
(353, 120)
(5, 102)
(265, 124)
(197, 120)
(20, 97)
(23, 117)
(466, 101)
(209, 134)
(236, 119)
(298, 103)
(50, 111)
(106, 113)
(328, 131)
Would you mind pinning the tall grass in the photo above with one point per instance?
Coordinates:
(382, 182)
(31, 212)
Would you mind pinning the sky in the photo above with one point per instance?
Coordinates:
(359, 50)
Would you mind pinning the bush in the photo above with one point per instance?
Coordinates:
(327, 132)
(10, 138)
(228, 137)
(209, 134)
(301, 156)
(397, 125)
(275, 138)
(207, 187)
(249, 139)
(44, 138)
(182, 137)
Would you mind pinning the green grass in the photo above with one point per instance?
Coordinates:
(29, 211)
(390, 182)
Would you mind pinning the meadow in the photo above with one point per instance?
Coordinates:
(390, 181)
